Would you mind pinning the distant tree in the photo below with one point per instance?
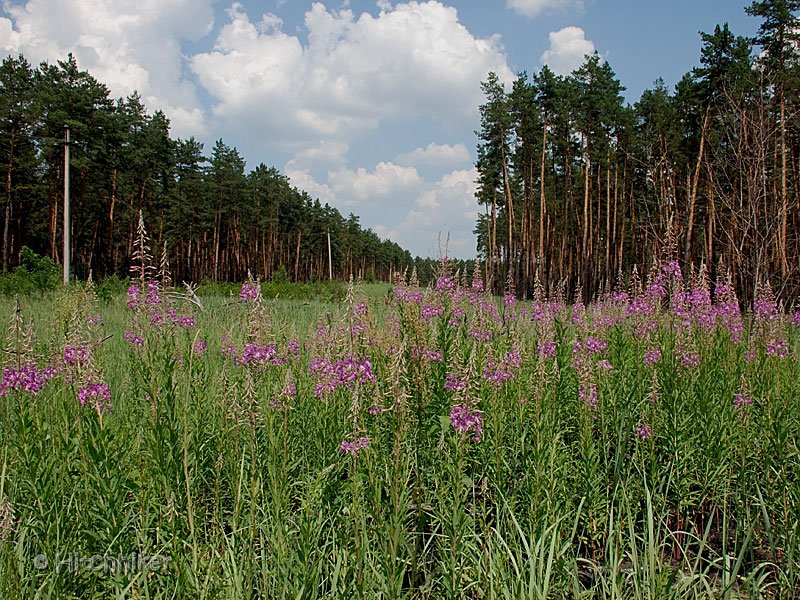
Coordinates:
(779, 36)
(598, 113)
(494, 182)
(225, 184)
(16, 120)
(66, 95)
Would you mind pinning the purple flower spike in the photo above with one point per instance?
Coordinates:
(644, 431)
(588, 395)
(778, 348)
(355, 446)
(445, 284)
(96, 396)
(467, 421)
(741, 402)
(25, 379)
(133, 339)
(75, 355)
(593, 345)
(250, 292)
(453, 383)
(653, 356)
(427, 313)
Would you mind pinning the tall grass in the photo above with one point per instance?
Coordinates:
(443, 445)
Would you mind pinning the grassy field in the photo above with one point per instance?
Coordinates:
(400, 443)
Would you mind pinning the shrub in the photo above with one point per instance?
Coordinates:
(110, 286)
(35, 274)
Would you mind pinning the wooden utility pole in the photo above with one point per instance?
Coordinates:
(330, 259)
(66, 205)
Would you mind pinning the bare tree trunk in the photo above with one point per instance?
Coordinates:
(712, 217)
(53, 221)
(784, 194)
(608, 220)
(509, 214)
(584, 268)
(297, 259)
(542, 198)
(493, 245)
(8, 211)
(217, 234)
(694, 188)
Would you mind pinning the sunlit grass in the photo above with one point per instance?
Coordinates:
(309, 450)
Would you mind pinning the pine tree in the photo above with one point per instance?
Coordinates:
(779, 38)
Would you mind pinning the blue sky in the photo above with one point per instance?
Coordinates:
(369, 106)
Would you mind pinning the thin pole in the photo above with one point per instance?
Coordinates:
(66, 205)
(330, 260)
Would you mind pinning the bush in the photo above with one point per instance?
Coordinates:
(280, 276)
(209, 287)
(35, 275)
(323, 291)
(111, 286)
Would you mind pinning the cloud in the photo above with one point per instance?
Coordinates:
(532, 8)
(399, 205)
(568, 49)
(316, 100)
(360, 185)
(303, 180)
(445, 208)
(412, 60)
(345, 187)
(129, 46)
(436, 154)
(325, 153)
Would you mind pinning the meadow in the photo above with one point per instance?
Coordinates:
(401, 442)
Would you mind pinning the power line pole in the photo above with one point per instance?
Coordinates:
(66, 205)
(330, 260)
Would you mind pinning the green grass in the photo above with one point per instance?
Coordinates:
(245, 494)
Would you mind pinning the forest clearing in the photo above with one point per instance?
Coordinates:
(401, 443)
(592, 392)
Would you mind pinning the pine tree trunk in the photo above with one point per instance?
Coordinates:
(542, 198)
(694, 188)
(584, 267)
(784, 194)
(493, 245)
(509, 214)
(608, 221)
(217, 233)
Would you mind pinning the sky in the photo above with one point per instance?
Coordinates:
(370, 106)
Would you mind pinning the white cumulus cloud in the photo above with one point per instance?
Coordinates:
(127, 45)
(568, 48)
(397, 204)
(444, 209)
(345, 188)
(361, 185)
(436, 154)
(303, 180)
(325, 153)
(412, 60)
(532, 8)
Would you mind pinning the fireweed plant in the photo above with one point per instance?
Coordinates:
(426, 443)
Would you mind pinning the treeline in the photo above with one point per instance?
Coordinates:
(215, 220)
(577, 186)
